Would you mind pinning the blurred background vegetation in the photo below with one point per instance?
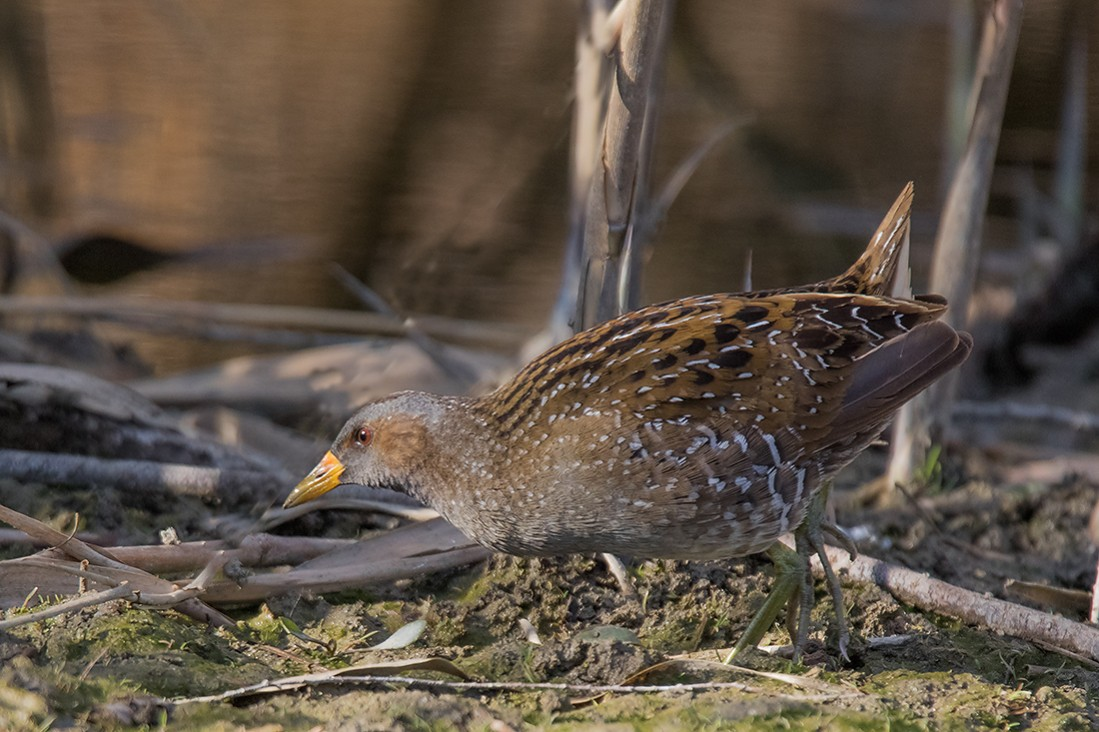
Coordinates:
(229, 151)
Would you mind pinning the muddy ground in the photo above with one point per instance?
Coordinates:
(117, 665)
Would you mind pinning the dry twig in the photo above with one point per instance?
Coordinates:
(140, 581)
(167, 315)
(80, 602)
(922, 421)
(618, 196)
(933, 595)
(455, 368)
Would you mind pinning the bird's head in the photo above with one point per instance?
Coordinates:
(383, 445)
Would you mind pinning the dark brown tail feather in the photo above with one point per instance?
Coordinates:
(886, 378)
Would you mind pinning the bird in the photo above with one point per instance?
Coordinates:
(699, 428)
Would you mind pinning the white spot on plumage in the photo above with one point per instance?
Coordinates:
(773, 447)
(800, 485)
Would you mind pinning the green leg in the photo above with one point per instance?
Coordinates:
(789, 579)
(810, 537)
(793, 586)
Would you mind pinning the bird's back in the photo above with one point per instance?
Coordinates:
(700, 427)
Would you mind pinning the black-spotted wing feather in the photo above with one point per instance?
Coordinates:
(710, 408)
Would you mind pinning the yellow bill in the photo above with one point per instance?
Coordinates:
(320, 480)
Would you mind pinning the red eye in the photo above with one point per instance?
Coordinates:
(364, 436)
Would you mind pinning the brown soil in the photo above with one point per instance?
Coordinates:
(118, 662)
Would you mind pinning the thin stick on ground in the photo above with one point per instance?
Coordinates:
(171, 596)
(80, 602)
(316, 680)
(96, 556)
(933, 595)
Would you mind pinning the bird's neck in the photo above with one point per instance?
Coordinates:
(460, 454)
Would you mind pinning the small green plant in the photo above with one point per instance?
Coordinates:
(930, 474)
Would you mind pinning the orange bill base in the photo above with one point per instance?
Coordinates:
(320, 480)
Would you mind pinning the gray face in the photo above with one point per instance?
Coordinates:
(385, 442)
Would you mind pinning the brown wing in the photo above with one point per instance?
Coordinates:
(753, 355)
(721, 410)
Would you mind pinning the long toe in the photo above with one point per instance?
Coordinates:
(805, 607)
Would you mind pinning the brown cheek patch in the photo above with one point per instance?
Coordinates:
(400, 442)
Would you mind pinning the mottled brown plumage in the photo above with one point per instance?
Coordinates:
(883, 267)
(697, 428)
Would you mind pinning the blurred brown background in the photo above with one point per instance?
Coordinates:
(423, 145)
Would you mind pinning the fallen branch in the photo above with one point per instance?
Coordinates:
(79, 550)
(254, 551)
(138, 476)
(14, 537)
(933, 595)
(345, 577)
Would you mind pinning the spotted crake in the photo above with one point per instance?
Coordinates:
(698, 428)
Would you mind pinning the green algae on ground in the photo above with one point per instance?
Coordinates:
(945, 675)
(953, 677)
(117, 649)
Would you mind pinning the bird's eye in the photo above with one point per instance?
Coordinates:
(363, 436)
